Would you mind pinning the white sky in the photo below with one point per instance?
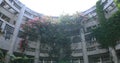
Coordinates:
(58, 7)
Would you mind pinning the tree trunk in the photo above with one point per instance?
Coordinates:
(113, 54)
(37, 51)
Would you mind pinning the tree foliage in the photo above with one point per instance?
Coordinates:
(54, 35)
(100, 12)
(117, 2)
(108, 34)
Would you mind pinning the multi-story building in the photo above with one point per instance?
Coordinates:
(85, 48)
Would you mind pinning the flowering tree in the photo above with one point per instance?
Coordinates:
(33, 30)
(55, 35)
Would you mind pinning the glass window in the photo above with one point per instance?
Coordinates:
(2, 4)
(1, 23)
(1, 14)
(12, 10)
(89, 38)
(5, 18)
(27, 13)
(91, 49)
(17, 6)
(9, 28)
(77, 51)
(11, 1)
(76, 39)
(14, 22)
(6, 6)
(30, 49)
(88, 29)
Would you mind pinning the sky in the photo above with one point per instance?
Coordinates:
(59, 7)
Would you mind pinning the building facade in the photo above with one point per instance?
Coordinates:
(85, 50)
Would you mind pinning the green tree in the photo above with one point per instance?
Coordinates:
(107, 34)
(58, 41)
(66, 25)
(100, 12)
(117, 2)
(2, 56)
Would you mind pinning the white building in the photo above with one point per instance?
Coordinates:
(87, 50)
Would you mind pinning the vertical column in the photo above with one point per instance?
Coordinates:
(17, 27)
(15, 33)
(71, 61)
(113, 54)
(43, 61)
(79, 60)
(51, 61)
(3, 26)
(1, 1)
(100, 60)
(85, 56)
(37, 51)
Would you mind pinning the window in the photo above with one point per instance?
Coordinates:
(20, 34)
(2, 4)
(5, 18)
(44, 51)
(105, 2)
(1, 23)
(11, 1)
(72, 32)
(17, 6)
(113, 5)
(9, 28)
(8, 31)
(106, 11)
(77, 51)
(6, 6)
(76, 39)
(94, 26)
(75, 61)
(88, 29)
(100, 47)
(25, 18)
(0, 14)
(95, 17)
(12, 11)
(89, 38)
(30, 49)
(91, 49)
(14, 22)
(27, 13)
